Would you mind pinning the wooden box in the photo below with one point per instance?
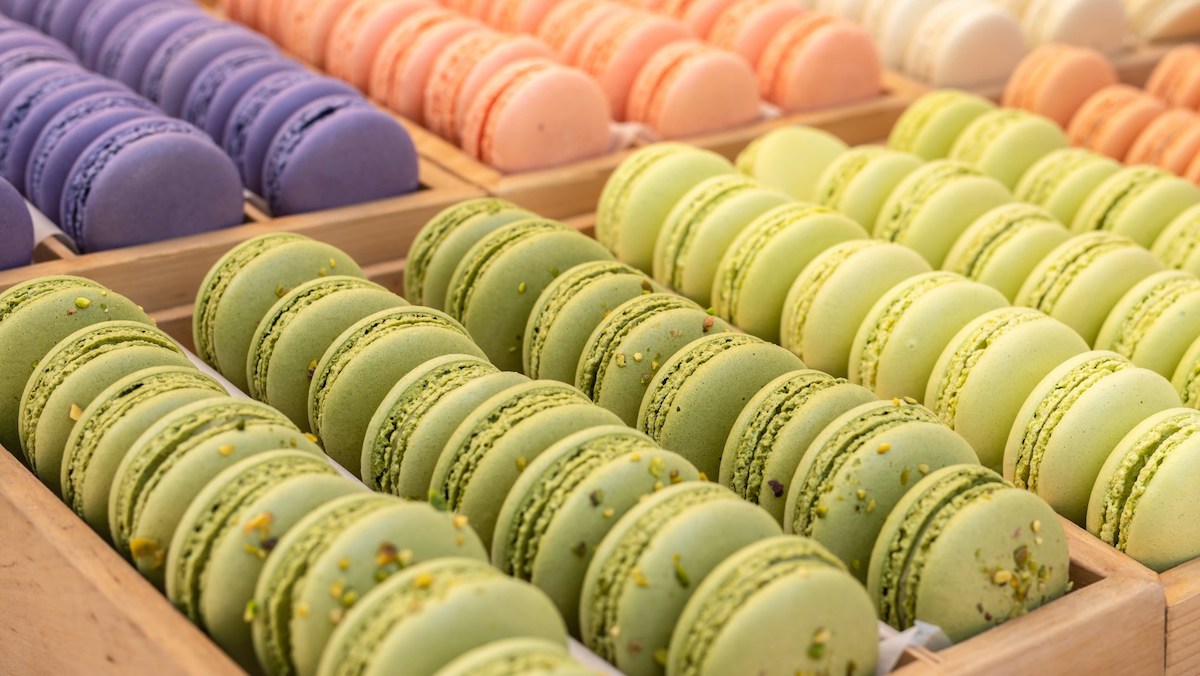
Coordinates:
(1182, 587)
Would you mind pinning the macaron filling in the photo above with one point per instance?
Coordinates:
(881, 331)
(969, 351)
(661, 400)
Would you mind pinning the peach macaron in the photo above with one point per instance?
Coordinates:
(673, 92)
(1112, 119)
(619, 48)
(818, 61)
(1055, 80)
(359, 33)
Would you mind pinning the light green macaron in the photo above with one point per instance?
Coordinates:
(859, 181)
(1004, 143)
(517, 657)
(791, 159)
(1178, 247)
(1004, 245)
(1155, 322)
(1187, 377)
(1138, 202)
(1061, 181)
(931, 125)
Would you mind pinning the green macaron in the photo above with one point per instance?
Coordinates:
(443, 241)
(990, 368)
(429, 615)
(1061, 181)
(1003, 246)
(931, 208)
(905, 332)
(859, 181)
(1004, 143)
(107, 429)
(243, 285)
(1144, 502)
(702, 226)
(569, 498)
(1073, 420)
(650, 564)
(775, 429)
(791, 159)
(931, 125)
(70, 376)
(499, 279)
(643, 190)
(569, 310)
(1138, 202)
(694, 400)
(1080, 281)
(172, 461)
(1156, 322)
(830, 298)
(364, 363)
(1187, 377)
(496, 442)
(34, 316)
(1177, 246)
(731, 623)
(966, 551)
(859, 467)
(756, 272)
(517, 657)
(629, 346)
(292, 337)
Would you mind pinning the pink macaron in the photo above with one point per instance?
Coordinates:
(749, 26)
(673, 94)
(621, 46)
(818, 61)
(571, 23)
(360, 32)
(404, 62)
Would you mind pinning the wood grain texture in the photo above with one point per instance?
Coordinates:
(1182, 588)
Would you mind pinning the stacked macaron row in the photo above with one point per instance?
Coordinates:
(16, 228)
(97, 159)
(1155, 20)
(301, 141)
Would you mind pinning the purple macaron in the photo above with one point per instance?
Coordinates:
(21, 78)
(67, 135)
(128, 50)
(58, 18)
(20, 10)
(16, 229)
(337, 151)
(264, 109)
(97, 23)
(216, 90)
(185, 53)
(149, 180)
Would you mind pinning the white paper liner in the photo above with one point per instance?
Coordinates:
(625, 135)
(893, 643)
(44, 229)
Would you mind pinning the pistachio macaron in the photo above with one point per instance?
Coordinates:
(1187, 376)
(930, 126)
(859, 181)
(243, 285)
(1003, 246)
(694, 400)
(517, 657)
(1004, 143)
(1176, 245)
(1063, 180)
(1155, 322)
(772, 159)
(775, 429)
(568, 499)
(651, 562)
(295, 333)
(364, 363)
(1137, 202)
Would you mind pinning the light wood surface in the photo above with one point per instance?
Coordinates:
(1182, 587)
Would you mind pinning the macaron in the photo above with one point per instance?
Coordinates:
(535, 114)
(36, 315)
(16, 228)
(59, 19)
(965, 44)
(829, 300)
(570, 309)
(756, 272)
(216, 89)
(630, 345)
(1054, 80)
(1005, 143)
(243, 285)
(127, 50)
(309, 26)
(69, 377)
(569, 498)
(643, 190)
(859, 181)
(995, 554)
(1063, 180)
(1176, 245)
(652, 561)
(931, 208)
(793, 72)
(1102, 25)
(360, 32)
(515, 656)
(893, 24)
(1171, 141)
(109, 426)
(1140, 501)
(1159, 21)
(701, 16)
(931, 125)
(1155, 322)
(1112, 118)
(149, 157)
(445, 239)
(520, 16)
(775, 430)
(620, 46)
(771, 159)
(904, 333)
(694, 399)
(184, 54)
(499, 279)
(295, 333)
(1187, 377)
(496, 442)
(1174, 78)
(859, 467)
(1003, 246)
(746, 28)
(990, 368)
(701, 228)
(97, 22)
(408, 619)
(262, 498)
(1073, 420)
(670, 93)
(729, 625)
(173, 460)
(364, 362)
(569, 24)
(1137, 202)
(1081, 280)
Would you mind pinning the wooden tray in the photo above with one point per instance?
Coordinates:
(1182, 587)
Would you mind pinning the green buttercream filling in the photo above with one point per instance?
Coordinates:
(616, 570)
(435, 233)
(682, 227)
(881, 331)
(682, 366)
(969, 351)
(1082, 251)
(602, 349)
(498, 242)
(916, 190)
(812, 280)
(1149, 309)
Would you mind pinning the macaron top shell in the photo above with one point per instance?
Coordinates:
(1005, 143)
(930, 126)
(1004, 245)
(1137, 202)
(1062, 181)
(771, 158)
(1155, 322)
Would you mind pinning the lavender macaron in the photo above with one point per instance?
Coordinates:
(181, 57)
(98, 21)
(215, 91)
(127, 51)
(58, 18)
(16, 228)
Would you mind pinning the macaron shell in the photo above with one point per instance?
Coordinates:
(929, 127)
(620, 47)
(405, 61)
(359, 33)
(1003, 259)
(1111, 120)
(1055, 80)
(1007, 152)
(837, 64)
(976, 45)
(1144, 213)
(860, 192)
(672, 92)
(771, 158)
(1062, 181)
